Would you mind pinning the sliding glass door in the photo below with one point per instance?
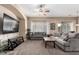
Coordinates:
(66, 27)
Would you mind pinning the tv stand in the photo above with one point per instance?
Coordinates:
(14, 42)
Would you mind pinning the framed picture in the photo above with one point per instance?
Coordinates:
(52, 26)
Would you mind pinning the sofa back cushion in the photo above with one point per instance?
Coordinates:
(72, 35)
(65, 36)
(57, 34)
(38, 34)
(77, 35)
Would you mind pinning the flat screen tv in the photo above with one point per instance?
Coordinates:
(10, 25)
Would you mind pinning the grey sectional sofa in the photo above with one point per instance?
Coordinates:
(70, 43)
(37, 35)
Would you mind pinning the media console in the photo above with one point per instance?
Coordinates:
(14, 42)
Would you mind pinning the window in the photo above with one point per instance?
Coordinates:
(38, 26)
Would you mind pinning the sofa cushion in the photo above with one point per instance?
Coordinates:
(77, 35)
(72, 35)
(56, 34)
(67, 38)
(64, 36)
(37, 34)
(61, 41)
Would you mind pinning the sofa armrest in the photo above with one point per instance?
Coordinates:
(74, 42)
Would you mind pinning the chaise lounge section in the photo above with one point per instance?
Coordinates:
(68, 42)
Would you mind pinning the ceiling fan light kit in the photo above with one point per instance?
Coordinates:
(42, 9)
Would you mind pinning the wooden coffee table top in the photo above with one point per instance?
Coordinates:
(49, 38)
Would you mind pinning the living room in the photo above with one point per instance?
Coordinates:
(39, 29)
(36, 25)
(42, 24)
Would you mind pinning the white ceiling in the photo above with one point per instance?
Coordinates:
(56, 10)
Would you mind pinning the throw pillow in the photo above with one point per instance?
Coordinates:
(63, 36)
(67, 38)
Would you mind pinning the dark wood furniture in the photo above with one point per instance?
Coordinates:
(28, 34)
(49, 40)
(14, 42)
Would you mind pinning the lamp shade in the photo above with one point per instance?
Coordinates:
(59, 25)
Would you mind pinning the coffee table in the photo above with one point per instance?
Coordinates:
(49, 39)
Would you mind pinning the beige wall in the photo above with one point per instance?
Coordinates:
(77, 22)
(4, 37)
(5, 10)
(11, 11)
(22, 28)
(18, 11)
(53, 20)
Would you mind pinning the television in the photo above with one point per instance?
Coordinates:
(10, 25)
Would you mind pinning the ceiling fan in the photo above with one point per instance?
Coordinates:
(42, 8)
